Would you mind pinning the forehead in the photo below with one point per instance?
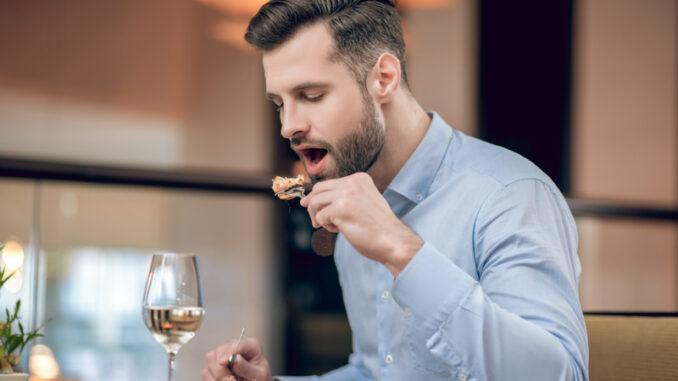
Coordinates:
(303, 58)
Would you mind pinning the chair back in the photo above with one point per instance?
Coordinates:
(631, 347)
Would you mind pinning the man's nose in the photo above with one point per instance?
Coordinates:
(293, 123)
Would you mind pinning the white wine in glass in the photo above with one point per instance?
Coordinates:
(172, 306)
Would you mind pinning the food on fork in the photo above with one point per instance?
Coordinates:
(283, 185)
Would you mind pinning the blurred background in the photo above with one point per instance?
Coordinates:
(128, 128)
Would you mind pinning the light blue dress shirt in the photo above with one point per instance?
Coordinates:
(492, 294)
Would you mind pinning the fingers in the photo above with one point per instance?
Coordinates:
(328, 218)
(223, 352)
(319, 202)
(207, 376)
(333, 201)
(249, 364)
(247, 370)
(250, 349)
(325, 185)
(333, 192)
(319, 188)
(257, 369)
(215, 371)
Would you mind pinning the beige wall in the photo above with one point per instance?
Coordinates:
(128, 83)
(625, 147)
(625, 99)
(229, 122)
(442, 60)
(122, 54)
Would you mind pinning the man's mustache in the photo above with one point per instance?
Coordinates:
(295, 142)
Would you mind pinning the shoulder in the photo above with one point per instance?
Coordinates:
(474, 156)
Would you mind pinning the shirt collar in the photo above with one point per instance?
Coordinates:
(415, 177)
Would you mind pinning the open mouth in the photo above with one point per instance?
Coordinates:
(315, 159)
(314, 155)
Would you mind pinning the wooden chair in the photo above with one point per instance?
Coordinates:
(632, 347)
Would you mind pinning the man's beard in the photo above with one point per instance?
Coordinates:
(357, 151)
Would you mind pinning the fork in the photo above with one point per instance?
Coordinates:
(295, 191)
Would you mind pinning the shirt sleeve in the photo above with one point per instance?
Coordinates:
(521, 319)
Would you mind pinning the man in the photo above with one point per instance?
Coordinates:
(457, 259)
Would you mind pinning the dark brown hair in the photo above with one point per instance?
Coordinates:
(362, 29)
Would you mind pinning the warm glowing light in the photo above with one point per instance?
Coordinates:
(423, 4)
(13, 255)
(249, 8)
(232, 33)
(42, 363)
(246, 8)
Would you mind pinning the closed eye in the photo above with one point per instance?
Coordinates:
(313, 98)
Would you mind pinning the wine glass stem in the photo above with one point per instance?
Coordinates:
(172, 366)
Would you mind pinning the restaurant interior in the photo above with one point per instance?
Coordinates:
(129, 128)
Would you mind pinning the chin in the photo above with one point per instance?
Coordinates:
(318, 178)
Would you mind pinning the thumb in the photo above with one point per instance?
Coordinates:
(248, 370)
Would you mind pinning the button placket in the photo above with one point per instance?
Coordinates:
(387, 327)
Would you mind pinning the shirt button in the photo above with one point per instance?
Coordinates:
(408, 311)
(462, 377)
(388, 359)
(419, 197)
(384, 295)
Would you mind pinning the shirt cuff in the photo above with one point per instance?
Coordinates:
(432, 287)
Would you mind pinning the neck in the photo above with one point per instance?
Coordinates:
(406, 124)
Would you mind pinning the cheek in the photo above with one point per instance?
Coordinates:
(339, 116)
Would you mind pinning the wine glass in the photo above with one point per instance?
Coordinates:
(173, 302)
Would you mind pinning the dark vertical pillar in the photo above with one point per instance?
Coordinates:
(525, 50)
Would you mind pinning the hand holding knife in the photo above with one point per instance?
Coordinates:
(232, 358)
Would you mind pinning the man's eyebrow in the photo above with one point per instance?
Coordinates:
(300, 87)
(309, 85)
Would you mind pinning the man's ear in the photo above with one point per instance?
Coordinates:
(383, 80)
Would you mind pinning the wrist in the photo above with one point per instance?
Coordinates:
(402, 251)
